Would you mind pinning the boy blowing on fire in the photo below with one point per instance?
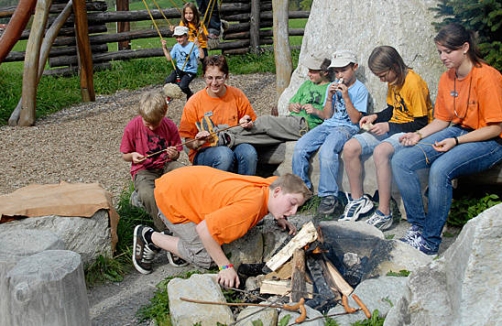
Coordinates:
(205, 215)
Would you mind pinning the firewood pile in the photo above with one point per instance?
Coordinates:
(303, 270)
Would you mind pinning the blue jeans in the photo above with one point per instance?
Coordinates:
(330, 140)
(461, 160)
(242, 159)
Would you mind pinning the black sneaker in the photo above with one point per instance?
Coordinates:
(174, 260)
(327, 205)
(142, 255)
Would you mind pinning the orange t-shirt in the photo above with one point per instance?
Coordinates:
(231, 204)
(225, 110)
(472, 102)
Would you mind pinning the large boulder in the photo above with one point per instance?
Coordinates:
(360, 26)
(464, 286)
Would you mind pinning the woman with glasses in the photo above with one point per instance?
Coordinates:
(218, 104)
(464, 138)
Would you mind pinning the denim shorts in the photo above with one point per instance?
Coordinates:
(369, 141)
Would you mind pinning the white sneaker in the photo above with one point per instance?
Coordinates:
(355, 208)
(380, 220)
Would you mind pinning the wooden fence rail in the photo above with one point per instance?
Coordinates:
(240, 38)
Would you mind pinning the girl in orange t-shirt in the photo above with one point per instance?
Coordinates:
(464, 137)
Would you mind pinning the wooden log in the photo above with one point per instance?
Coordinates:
(48, 288)
(109, 56)
(109, 38)
(254, 29)
(338, 279)
(298, 284)
(128, 16)
(306, 235)
(325, 296)
(44, 52)
(283, 61)
(16, 26)
(263, 34)
(93, 29)
(89, 6)
(14, 245)
(72, 71)
(84, 52)
(31, 64)
(123, 5)
(329, 280)
(291, 14)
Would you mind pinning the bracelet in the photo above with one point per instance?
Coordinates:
(419, 134)
(226, 267)
(456, 141)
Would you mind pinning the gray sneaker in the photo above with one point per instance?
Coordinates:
(355, 208)
(413, 236)
(327, 206)
(135, 201)
(380, 220)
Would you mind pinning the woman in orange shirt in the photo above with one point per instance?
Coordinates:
(464, 137)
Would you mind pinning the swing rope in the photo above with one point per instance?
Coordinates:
(156, 27)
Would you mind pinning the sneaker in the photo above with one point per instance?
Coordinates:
(327, 205)
(412, 236)
(142, 255)
(224, 25)
(175, 261)
(355, 208)
(380, 220)
(135, 201)
(425, 248)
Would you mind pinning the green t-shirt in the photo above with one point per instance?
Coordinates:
(310, 93)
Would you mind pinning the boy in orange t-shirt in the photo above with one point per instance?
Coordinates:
(205, 215)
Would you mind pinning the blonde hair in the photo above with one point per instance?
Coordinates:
(152, 107)
(292, 184)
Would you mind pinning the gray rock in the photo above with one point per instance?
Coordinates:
(360, 27)
(197, 287)
(462, 287)
(377, 294)
(88, 237)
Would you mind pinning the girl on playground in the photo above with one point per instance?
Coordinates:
(197, 32)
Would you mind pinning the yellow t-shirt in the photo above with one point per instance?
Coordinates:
(231, 204)
(193, 32)
(411, 101)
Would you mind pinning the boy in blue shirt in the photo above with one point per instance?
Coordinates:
(187, 55)
(346, 102)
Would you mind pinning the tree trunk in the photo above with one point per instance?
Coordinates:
(31, 64)
(283, 63)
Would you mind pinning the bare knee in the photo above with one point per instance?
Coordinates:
(352, 149)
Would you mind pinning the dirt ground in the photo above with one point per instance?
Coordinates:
(81, 143)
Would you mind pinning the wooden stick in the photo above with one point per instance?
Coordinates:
(190, 141)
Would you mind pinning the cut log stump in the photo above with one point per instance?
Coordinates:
(48, 288)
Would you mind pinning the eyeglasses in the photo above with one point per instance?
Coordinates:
(215, 78)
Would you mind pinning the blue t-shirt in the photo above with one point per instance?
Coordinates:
(180, 53)
(358, 94)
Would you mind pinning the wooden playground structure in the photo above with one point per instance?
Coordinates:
(73, 33)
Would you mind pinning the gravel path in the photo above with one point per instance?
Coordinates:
(81, 143)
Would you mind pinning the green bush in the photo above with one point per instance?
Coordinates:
(484, 17)
(469, 206)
